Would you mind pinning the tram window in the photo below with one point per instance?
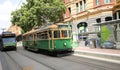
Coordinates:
(64, 33)
(30, 37)
(38, 36)
(50, 34)
(56, 34)
(27, 37)
(35, 36)
(24, 38)
(45, 35)
(42, 35)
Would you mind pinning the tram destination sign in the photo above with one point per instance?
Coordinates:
(8, 34)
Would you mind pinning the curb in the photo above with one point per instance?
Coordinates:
(114, 58)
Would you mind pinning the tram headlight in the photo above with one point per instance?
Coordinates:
(65, 44)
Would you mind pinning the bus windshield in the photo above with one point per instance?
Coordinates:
(8, 40)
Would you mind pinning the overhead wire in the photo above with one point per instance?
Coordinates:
(19, 4)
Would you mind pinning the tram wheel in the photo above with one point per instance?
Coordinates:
(25, 48)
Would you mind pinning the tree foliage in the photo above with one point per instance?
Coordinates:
(38, 12)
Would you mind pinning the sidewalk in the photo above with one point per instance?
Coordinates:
(110, 55)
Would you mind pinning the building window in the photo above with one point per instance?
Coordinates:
(64, 15)
(80, 6)
(77, 8)
(69, 11)
(97, 2)
(109, 18)
(114, 16)
(84, 4)
(98, 20)
(119, 15)
(107, 1)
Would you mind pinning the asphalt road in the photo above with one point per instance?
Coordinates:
(27, 60)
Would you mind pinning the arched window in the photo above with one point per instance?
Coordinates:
(82, 27)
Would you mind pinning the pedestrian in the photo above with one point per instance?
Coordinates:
(87, 42)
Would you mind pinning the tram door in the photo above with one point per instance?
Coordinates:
(35, 41)
(54, 35)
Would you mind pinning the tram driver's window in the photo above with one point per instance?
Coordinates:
(70, 33)
(56, 34)
(64, 33)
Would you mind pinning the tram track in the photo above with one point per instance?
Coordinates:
(24, 68)
(8, 62)
(13, 60)
(92, 64)
(37, 61)
(80, 62)
(83, 62)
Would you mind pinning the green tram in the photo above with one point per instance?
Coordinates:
(7, 41)
(53, 39)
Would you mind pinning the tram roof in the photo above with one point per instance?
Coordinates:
(45, 27)
(53, 26)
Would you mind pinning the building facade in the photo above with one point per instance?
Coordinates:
(15, 29)
(83, 14)
(116, 10)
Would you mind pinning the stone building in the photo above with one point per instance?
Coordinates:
(83, 14)
(116, 14)
(15, 29)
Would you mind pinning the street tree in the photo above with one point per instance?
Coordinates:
(37, 13)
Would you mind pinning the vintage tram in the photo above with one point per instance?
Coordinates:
(7, 41)
(53, 39)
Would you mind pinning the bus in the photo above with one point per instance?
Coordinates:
(53, 39)
(7, 41)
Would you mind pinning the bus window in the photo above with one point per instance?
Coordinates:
(9, 39)
(57, 34)
(64, 33)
